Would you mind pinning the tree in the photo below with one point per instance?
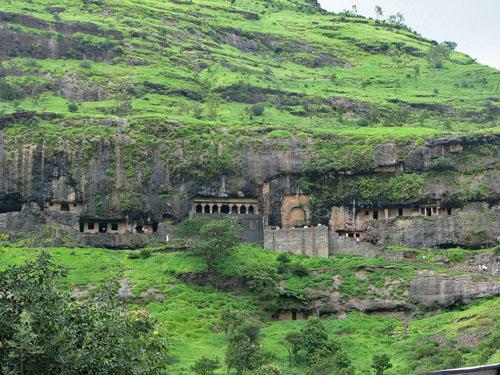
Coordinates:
(416, 72)
(44, 328)
(314, 337)
(379, 12)
(381, 362)
(452, 46)
(215, 239)
(244, 351)
(397, 18)
(435, 56)
(333, 365)
(213, 103)
(205, 366)
(398, 57)
(293, 342)
(229, 321)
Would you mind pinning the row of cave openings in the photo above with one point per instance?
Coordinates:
(424, 211)
(116, 227)
(228, 209)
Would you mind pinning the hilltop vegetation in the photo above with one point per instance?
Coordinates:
(276, 68)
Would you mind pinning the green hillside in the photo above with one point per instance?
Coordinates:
(206, 63)
(188, 313)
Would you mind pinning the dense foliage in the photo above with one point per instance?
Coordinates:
(44, 329)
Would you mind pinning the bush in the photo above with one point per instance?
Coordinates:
(283, 263)
(143, 254)
(441, 164)
(205, 366)
(257, 109)
(86, 64)
(300, 270)
(10, 91)
(72, 107)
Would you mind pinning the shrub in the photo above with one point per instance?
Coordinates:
(257, 109)
(300, 270)
(381, 363)
(284, 263)
(72, 107)
(441, 164)
(269, 369)
(206, 366)
(143, 254)
(86, 64)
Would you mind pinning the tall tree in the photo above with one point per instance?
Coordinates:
(45, 330)
(379, 12)
(435, 56)
(215, 239)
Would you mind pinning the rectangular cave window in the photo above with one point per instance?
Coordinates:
(367, 213)
(294, 315)
(139, 229)
(351, 234)
(375, 215)
(74, 204)
(91, 226)
(357, 235)
(434, 209)
(428, 211)
(448, 211)
(82, 227)
(114, 226)
(51, 204)
(103, 227)
(64, 206)
(155, 227)
(400, 211)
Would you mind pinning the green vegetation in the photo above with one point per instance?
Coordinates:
(43, 327)
(191, 315)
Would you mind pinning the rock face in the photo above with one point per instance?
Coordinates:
(431, 289)
(115, 179)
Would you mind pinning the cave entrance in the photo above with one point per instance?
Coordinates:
(103, 227)
(298, 216)
(428, 211)
(64, 206)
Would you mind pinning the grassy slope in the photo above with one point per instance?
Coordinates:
(189, 313)
(184, 48)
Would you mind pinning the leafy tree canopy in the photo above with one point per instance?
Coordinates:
(45, 330)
